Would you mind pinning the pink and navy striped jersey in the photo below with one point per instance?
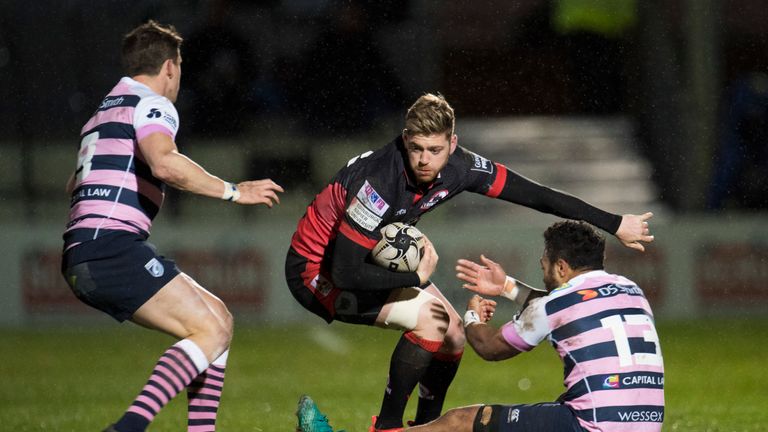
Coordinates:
(603, 329)
(114, 187)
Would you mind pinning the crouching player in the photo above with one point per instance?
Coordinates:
(601, 326)
(329, 273)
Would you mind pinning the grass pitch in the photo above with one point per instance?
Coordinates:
(81, 379)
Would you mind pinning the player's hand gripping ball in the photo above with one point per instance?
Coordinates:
(400, 248)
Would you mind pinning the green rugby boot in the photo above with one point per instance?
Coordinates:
(310, 419)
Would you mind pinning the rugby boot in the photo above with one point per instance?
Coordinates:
(373, 427)
(309, 417)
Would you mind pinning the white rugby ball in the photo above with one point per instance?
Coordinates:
(400, 248)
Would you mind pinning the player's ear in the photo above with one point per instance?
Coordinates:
(454, 142)
(562, 268)
(167, 68)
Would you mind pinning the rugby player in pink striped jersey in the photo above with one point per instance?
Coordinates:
(127, 156)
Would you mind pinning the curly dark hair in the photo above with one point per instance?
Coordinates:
(148, 46)
(577, 243)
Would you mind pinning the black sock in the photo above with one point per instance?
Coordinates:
(433, 388)
(408, 364)
(131, 422)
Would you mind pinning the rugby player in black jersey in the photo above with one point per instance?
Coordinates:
(328, 268)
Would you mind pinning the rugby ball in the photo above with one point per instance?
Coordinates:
(400, 248)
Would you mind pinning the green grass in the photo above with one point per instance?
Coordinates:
(78, 379)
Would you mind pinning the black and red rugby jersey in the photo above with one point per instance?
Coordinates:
(376, 188)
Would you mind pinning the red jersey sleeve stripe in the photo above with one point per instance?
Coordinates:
(355, 236)
(498, 183)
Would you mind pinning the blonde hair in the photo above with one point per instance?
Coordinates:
(430, 114)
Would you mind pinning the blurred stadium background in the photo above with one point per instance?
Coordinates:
(633, 105)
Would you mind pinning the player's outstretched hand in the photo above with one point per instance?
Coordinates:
(259, 192)
(428, 262)
(633, 230)
(485, 279)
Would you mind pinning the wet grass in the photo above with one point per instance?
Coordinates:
(81, 379)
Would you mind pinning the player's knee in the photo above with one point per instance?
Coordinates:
(228, 325)
(217, 328)
(486, 418)
(455, 339)
(224, 322)
(221, 336)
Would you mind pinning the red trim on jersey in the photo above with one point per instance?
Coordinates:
(498, 183)
(356, 236)
(448, 357)
(429, 345)
(316, 229)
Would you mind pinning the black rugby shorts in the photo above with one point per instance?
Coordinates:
(116, 273)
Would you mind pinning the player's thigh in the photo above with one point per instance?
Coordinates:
(540, 417)
(313, 290)
(396, 309)
(359, 307)
(183, 308)
(432, 289)
(410, 308)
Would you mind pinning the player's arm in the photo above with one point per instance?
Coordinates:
(488, 342)
(631, 230)
(181, 172)
(351, 269)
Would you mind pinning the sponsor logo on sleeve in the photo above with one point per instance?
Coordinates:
(481, 164)
(155, 113)
(171, 120)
